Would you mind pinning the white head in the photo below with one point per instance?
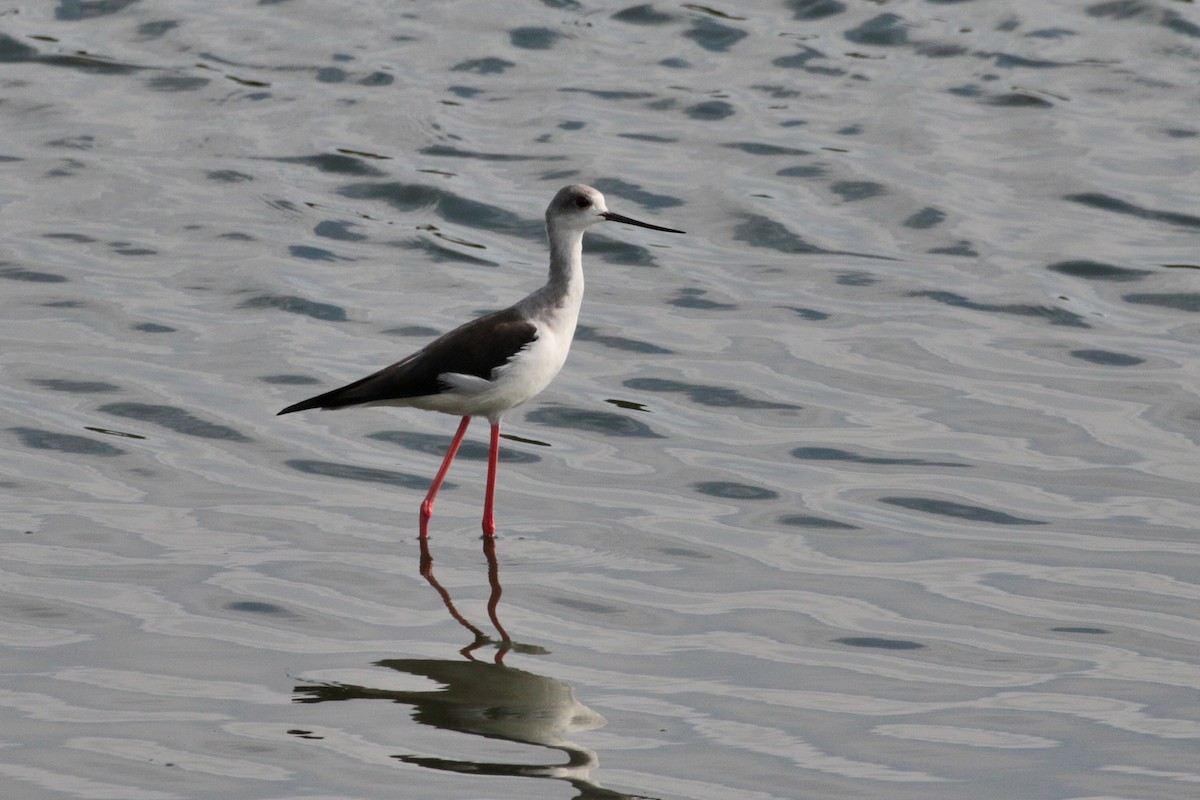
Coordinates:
(578, 207)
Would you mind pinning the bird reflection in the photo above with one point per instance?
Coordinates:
(492, 700)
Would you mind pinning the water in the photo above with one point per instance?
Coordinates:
(880, 483)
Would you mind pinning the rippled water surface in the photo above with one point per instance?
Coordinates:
(880, 483)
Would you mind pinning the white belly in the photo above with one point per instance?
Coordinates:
(520, 380)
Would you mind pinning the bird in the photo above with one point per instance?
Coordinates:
(496, 362)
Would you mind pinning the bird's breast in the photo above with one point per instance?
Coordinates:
(534, 367)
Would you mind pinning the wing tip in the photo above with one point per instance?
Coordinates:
(305, 405)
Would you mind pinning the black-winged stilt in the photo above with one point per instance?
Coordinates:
(498, 361)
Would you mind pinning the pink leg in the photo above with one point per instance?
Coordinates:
(489, 519)
(427, 505)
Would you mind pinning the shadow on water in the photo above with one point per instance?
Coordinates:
(488, 699)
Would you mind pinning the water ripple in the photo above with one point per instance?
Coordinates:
(881, 482)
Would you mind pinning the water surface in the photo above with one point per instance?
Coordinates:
(880, 483)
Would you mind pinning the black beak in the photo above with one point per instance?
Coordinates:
(611, 217)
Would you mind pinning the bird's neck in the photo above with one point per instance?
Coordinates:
(566, 264)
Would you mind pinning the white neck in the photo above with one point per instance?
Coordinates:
(566, 260)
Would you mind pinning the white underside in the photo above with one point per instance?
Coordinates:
(522, 378)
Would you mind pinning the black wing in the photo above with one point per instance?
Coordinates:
(475, 348)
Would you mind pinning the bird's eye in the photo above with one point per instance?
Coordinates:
(583, 201)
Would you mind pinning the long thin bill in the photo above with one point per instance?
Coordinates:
(611, 217)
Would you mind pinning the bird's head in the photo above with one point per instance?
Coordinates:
(579, 207)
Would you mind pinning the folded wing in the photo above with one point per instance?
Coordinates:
(476, 348)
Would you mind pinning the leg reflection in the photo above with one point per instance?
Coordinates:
(481, 639)
(489, 552)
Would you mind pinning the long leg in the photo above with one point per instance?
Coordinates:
(427, 505)
(489, 518)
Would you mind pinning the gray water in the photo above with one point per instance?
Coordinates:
(880, 483)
